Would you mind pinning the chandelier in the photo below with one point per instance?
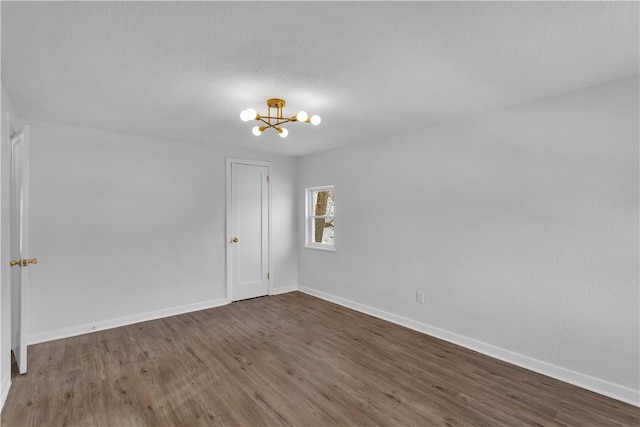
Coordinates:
(276, 121)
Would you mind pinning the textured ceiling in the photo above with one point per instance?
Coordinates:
(185, 70)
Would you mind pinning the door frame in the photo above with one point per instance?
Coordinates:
(21, 333)
(10, 124)
(229, 232)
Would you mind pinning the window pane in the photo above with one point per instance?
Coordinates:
(323, 202)
(323, 230)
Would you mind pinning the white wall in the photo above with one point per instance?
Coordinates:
(7, 114)
(521, 227)
(127, 228)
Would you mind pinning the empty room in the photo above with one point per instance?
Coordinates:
(320, 213)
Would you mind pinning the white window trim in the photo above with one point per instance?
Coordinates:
(308, 243)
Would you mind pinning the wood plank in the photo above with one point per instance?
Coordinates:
(290, 359)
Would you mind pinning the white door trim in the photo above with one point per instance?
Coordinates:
(268, 165)
(19, 334)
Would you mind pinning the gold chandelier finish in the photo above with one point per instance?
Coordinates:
(277, 120)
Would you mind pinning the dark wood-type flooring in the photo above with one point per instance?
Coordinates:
(286, 360)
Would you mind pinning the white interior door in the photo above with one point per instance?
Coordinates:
(19, 244)
(248, 230)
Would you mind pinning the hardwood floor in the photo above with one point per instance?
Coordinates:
(287, 360)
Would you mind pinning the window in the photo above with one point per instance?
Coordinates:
(320, 230)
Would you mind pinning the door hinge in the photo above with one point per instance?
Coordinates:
(268, 178)
(268, 276)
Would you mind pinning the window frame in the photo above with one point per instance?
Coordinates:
(310, 217)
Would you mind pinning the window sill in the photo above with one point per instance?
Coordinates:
(321, 248)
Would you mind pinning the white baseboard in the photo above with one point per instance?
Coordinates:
(136, 318)
(6, 386)
(284, 289)
(121, 321)
(596, 385)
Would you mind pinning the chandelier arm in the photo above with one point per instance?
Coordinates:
(270, 125)
(262, 119)
(278, 120)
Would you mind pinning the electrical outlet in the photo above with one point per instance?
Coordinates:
(420, 297)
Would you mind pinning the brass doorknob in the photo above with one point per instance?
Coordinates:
(234, 240)
(23, 262)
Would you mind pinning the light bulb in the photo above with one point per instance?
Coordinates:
(248, 114)
(302, 116)
(283, 133)
(256, 130)
(315, 120)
